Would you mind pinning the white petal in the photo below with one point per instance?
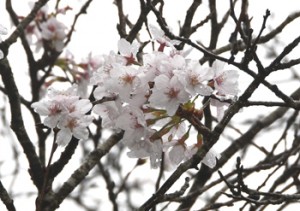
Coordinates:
(81, 133)
(210, 158)
(51, 121)
(176, 154)
(83, 105)
(124, 47)
(155, 32)
(161, 82)
(41, 108)
(218, 67)
(99, 92)
(204, 90)
(63, 137)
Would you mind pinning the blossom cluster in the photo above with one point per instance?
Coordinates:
(64, 110)
(46, 30)
(148, 92)
(142, 95)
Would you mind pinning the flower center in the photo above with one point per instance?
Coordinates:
(72, 123)
(194, 80)
(219, 80)
(127, 79)
(55, 109)
(51, 28)
(173, 93)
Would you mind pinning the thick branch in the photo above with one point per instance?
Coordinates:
(78, 175)
(17, 123)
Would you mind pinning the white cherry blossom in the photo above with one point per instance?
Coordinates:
(177, 154)
(225, 81)
(160, 37)
(73, 125)
(195, 79)
(124, 81)
(109, 112)
(168, 94)
(54, 31)
(65, 111)
(128, 51)
(146, 148)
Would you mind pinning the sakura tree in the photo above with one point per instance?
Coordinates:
(198, 115)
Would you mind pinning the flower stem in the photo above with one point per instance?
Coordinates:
(43, 191)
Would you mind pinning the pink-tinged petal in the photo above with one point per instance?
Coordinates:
(178, 61)
(108, 112)
(157, 98)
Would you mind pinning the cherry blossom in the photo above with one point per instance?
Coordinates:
(128, 51)
(160, 37)
(155, 64)
(102, 75)
(225, 81)
(133, 122)
(54, 31)
(142, 99)
(73, 125)
(145, 148)
(65, 111)
(124, 81)
(195, 78)
(88, 66)
(168, 94)
(210, 159)
(109, 112)
(177, 153)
